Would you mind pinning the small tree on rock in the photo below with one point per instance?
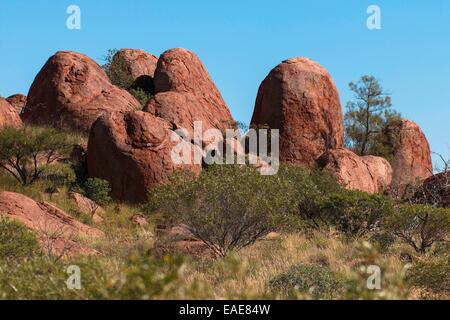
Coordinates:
(368, 118)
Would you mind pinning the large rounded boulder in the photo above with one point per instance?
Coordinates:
(185, 93)
(411, 159)
(137, 62)
(369, 173)
(72, 91)
(299, 98)
(133, 151)
(8, 115)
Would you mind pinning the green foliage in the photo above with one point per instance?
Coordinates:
(431, 274)
(140, 95)
(368, 119)
(320, 282)
(419, 226)
(16, 241)
(26, 153)
(117, 70)
(98, 190)
(227, 207)
(146, 278)
(139, 277)
(355, 212)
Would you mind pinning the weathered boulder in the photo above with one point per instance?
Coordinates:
(72, 91)
(18, 101)
(369, 173)
(57, 232)
(299, 98)
(8, 115)
(87, 206)
(132, 151)
(186, 93)
(411, 159)
(137, 62)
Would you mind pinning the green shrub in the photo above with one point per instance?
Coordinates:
(355, 212)
(26, 153)
(98, 190)
(318, 281)
(117, 70)
(227, 207)
(420, 226)
(431, 274)
(16, 241)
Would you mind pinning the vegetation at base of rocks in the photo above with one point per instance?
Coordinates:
(370, 119)
(26, 153)
(318, 281)
(117, 70)
(325, 239)
(98, 190)
(420, 226)
(16, 241)
(227, 207)
(355, 212)
(431, 275)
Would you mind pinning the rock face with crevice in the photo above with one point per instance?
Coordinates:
(369, 173)
(133, 151)
(8, 115)
(185, 93)
(72, 91)
(58, 233)
(299, 98)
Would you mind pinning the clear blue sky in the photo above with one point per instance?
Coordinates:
(241, 41)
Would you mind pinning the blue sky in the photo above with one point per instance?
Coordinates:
(241, 41)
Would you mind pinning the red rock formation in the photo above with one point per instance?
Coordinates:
(370, 174)
(18, 101)
(299, 98)
(8, 115)
(411, 159)
(56, 230)
(138, 62)
(186, 93)
(132, 151)
(72, 91)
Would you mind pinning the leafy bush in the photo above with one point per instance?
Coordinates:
(420, 226)
(320, 282)
(26, 153)
(117, 70)
(355, 212)
(431, 274)
(98, 190)
(16, 241)
(227, 207)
